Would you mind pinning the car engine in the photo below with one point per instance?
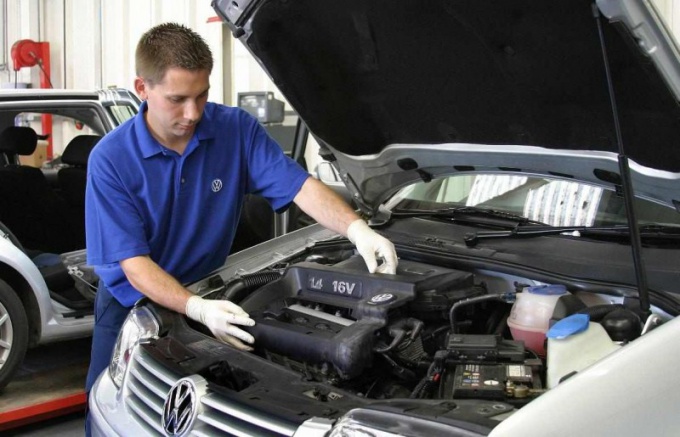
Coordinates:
(428, 332)
(335, 315)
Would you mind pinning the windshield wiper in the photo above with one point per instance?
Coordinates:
(468, 214)
(650, 231)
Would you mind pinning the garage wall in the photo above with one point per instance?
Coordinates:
(670, 11)
(92, 42)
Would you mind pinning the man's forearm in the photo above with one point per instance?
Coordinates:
(220, 316)
(331, 211)
(324, 206)
(155, 283)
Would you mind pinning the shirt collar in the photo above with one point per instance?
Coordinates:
(148, 144)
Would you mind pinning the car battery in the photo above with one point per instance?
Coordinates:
(480, 381)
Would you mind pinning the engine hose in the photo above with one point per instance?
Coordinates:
(241, 287)
(398, 331)
(398, 370)
(423, 383)
(415, 394)
(504, 297)
(502, 324)
(597, 312)
(395, 341)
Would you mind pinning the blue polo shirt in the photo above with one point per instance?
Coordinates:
(182, 210)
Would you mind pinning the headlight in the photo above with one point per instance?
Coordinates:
(140, 325)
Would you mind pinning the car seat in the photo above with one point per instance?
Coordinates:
(28, 205)
(14, 141)
(72, 179)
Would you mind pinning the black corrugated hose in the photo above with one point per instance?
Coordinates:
(241, 287)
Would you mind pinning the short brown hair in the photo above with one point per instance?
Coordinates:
(170, 45)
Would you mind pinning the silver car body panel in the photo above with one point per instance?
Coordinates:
(446, 159)
(655, 40)
(53, 325)
(569, 409)
(596, 402)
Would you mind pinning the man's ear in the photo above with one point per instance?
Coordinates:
(141, 88)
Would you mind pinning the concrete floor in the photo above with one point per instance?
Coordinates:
(48, 373)
(65, 426)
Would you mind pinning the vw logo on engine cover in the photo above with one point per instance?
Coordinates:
(382, 298)
(180, 408)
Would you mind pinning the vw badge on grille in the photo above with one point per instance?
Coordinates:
(180, 408)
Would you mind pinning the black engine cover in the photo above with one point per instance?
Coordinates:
(329, 314)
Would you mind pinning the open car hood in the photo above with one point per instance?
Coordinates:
(400, 91)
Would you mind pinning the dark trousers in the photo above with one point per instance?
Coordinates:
(109, 316)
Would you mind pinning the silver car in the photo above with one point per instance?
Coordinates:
(521, 155)
(46, 288)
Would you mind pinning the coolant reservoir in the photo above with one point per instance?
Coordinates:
(530, 315)
(575, 343)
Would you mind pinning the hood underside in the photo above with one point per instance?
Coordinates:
(365, 75)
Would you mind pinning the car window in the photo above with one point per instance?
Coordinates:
(121, 113)
(64, 129)
(552, 201)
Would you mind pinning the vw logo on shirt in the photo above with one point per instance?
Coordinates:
(216, 185)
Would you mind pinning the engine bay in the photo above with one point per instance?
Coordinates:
(428, 332)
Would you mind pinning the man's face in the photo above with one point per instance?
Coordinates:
(175, 105)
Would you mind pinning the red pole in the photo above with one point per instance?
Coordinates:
(45, 82)
(28, 53)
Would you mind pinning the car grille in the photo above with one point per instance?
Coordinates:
(148, 384)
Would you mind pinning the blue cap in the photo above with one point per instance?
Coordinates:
(569, 326)
(548, 290)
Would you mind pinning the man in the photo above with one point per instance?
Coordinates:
(165, 188)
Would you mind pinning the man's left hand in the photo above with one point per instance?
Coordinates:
(369, 244)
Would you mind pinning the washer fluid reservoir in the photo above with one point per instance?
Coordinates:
(575, 343)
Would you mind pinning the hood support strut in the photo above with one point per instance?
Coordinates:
(626, 181)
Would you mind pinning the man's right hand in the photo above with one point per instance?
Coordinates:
(220, 316)
(369, 244)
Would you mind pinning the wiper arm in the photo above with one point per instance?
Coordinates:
(646, 231)
(465, 213)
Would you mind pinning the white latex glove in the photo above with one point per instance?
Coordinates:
(220, 316)
(369, 243)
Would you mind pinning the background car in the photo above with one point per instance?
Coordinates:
(46, 288)
(520, 155)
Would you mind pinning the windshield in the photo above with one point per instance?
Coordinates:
(552, 201)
